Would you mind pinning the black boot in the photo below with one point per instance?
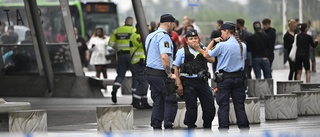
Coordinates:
(114, 96)
(114, 93)
(136, 103)
(145, 104)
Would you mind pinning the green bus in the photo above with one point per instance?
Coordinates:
(86, 15)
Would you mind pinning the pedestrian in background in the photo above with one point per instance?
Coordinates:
(271, 32)
(191, 70)
(83, 49)
(288, 40)
(259, 45)
(244, 35)
(231, 54)
(312, 32)
(98, 44)
(159, 60)
(215, 34)
(120, 41)
(304, 42)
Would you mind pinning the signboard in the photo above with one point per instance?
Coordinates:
(193, 3)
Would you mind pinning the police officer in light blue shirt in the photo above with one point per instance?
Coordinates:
(192, 76)
(159, 58)
(231, 53)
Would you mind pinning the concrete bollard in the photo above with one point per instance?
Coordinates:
(308, 102)
(286, 87)
(260, 87)
(310, 87)
(5, 108)
(252, 107)
(28, 121)
(180, 116)
(282, 106)
(116, 118)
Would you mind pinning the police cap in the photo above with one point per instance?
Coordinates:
(167, 18)
(228, 26)
(191, 33)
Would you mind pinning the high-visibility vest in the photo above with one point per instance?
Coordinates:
(137, 51)
(120, 38)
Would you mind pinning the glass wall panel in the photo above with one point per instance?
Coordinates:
(17, 49)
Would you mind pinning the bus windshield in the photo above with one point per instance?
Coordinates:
(95, 20)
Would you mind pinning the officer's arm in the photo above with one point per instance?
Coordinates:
(166, 63)
(211, 59)
(112, 40)
(178, 80)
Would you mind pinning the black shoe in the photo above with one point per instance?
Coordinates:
(145, 104)
(114, 96)
(136, 103)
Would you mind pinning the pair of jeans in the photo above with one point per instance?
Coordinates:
(260, 63)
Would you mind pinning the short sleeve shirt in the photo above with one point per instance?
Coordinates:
(157, 43)
(229, 56)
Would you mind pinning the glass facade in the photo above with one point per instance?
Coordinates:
(16, 40)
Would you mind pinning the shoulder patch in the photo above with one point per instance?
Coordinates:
(166, 44)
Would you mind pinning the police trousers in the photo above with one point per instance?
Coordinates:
(164, 106)
(124, 64)
(194, 88)
(139, 80)
(234, 88)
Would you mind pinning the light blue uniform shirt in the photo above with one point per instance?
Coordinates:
(160, 43)
(228, 53)
(180, 55)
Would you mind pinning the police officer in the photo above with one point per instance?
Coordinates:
(120, 40)
(139, 97)
(193, 82)
(231, 54)
(159, 51)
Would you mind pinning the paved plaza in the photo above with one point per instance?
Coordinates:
(77, 116)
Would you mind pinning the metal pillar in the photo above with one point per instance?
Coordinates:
(141, 19)
(284, 17)
(44, 53)
(64, 4)
(300, 11)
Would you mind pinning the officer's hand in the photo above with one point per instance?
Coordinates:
(173, 76)
(217, 40)
(180, 89)
(195, 45)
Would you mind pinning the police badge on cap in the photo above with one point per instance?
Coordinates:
(191, 33)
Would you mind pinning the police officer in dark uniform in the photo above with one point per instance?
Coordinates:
(231, 54)
(159, 58)
(193, 83)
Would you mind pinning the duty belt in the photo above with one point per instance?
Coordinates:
(123, 52)
(155, 72)
(227, 75)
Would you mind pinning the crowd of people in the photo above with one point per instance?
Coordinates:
(174, 61)
(306, 42)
